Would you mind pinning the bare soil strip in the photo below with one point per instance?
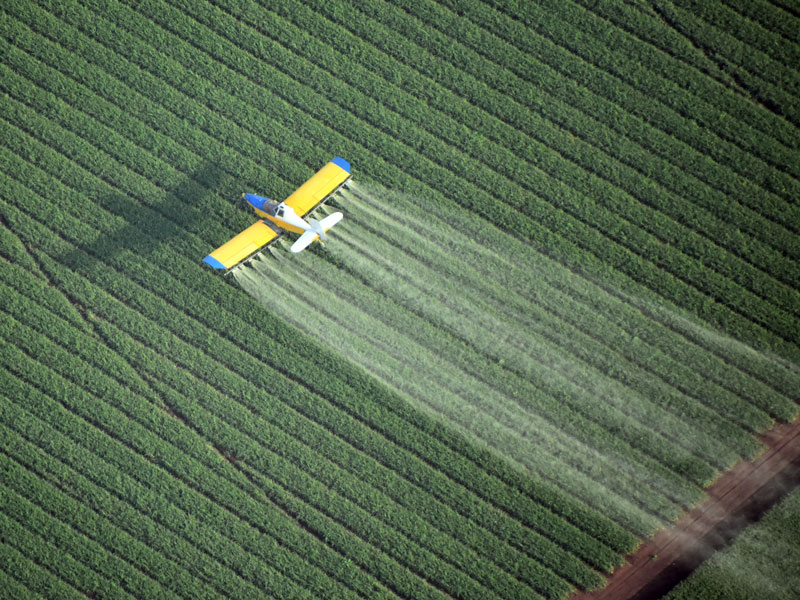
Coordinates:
(738, 498)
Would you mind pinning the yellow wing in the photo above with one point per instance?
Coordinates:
(323, 183)
(240, 247)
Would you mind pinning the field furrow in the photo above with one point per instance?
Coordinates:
(32, 570)
(563, 300)
(706, 304)
(583, 181)
(396, 514)
(633, 87)
(46, 516)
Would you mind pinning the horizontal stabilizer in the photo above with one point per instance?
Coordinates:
(303, 241)
(309, 236)
(330, 221)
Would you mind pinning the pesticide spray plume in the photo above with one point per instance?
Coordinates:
(461, 320)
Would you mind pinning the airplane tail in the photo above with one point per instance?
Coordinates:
(316, 227)
(317, 231)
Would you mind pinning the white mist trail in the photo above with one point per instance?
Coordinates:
(521, 438)
(459, 320)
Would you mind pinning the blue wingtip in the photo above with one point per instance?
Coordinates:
(340, 162)
(256, 201)
(210, 260)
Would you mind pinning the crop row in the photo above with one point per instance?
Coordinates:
(63, 522)
(584, 183)
(145, 278)
(16, 587)
(767, 40)
(200, 363)
(634, 88)
(529, 440)
(396, 515)
(705, 305)
(773, 22)
(763, 560)
(772, 81)
(274, 434)
(366, 509)
(662, 42)
(590, 175)
(462, 340)
(596, 189)
(153, 442)
(172, 437)
(474, 124)
(723, 289)
(417, 330)
(32, 553)
(192, 514)
(635, 28)
(595, 21)
(197, 506)
(573, 298)
(624, 39)
(540, 446)
(591, 103)
(116, 145)
(613, 136)
(685, 174)
(713, 305)
(514, 304)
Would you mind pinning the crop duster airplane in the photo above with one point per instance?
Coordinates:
(278, 217)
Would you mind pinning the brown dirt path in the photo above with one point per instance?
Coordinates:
(737, 498)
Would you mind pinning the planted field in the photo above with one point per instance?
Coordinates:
(763, 561)
(562, 301)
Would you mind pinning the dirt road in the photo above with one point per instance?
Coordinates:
(738, 498)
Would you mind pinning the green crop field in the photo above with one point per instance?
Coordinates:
(565, 295)
(763, 561)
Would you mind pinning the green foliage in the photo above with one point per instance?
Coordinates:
(165, 436)
(764, 560)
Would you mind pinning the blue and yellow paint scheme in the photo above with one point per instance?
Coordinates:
(277, 217)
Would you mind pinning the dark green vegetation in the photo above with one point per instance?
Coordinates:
(763, 562)
(633, 167)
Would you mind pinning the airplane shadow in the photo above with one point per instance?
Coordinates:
(158, 231)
